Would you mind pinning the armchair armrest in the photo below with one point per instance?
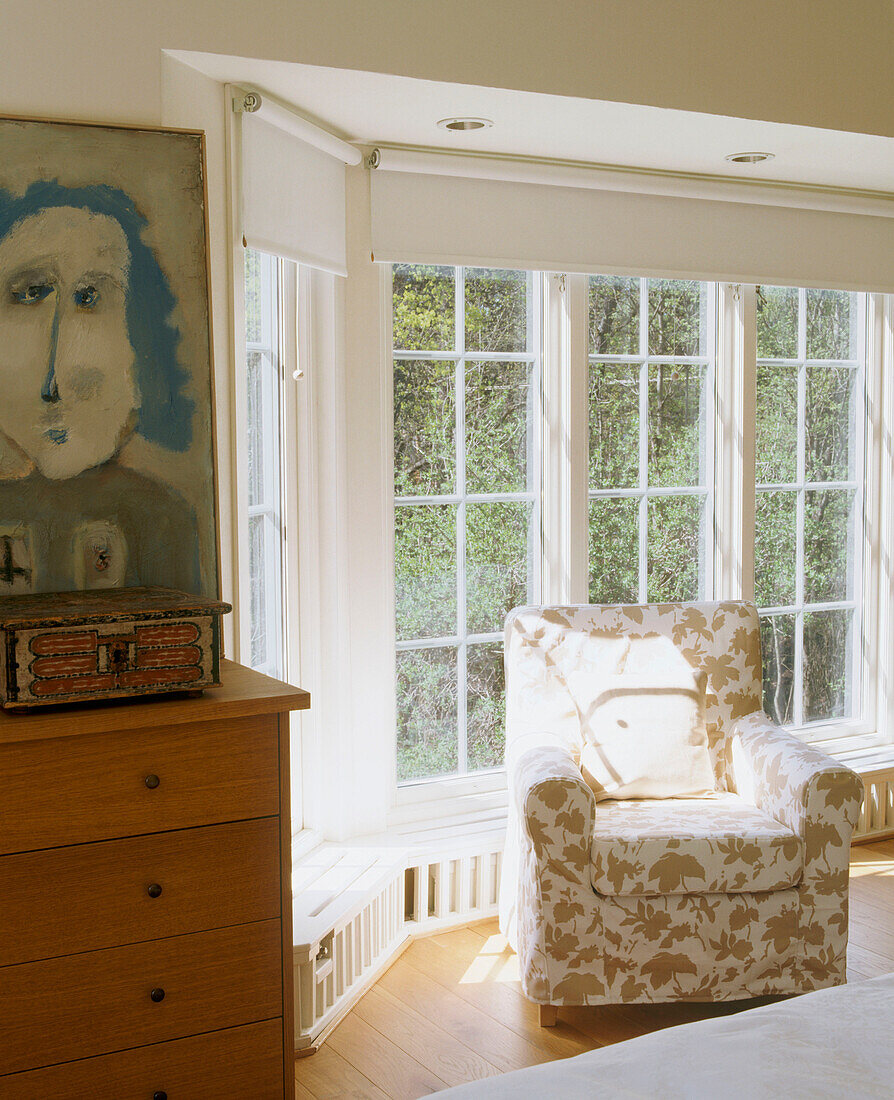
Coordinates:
(813, 795)
(547, 903)
(555, 806)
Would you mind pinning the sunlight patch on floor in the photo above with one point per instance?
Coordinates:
(495, 962)
(860, 868)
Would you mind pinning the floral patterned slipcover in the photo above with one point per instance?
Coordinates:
(603, 910)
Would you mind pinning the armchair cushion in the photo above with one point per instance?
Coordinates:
(644, 735)
(692, 846)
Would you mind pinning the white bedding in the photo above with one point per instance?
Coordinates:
(835, 1043)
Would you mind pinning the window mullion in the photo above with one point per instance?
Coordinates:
(461, 601)
(643, 508)
(801, 477)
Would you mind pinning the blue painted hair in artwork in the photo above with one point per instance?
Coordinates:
(165, 414)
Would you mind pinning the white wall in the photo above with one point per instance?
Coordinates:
(815, 62)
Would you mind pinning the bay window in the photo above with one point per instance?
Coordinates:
(469, 503)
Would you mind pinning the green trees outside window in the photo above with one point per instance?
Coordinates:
(808, 506)
(467, 485)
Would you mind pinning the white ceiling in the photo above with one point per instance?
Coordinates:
(372, 108)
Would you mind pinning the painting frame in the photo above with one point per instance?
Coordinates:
(208, 576)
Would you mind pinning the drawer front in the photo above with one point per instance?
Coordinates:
(80, 789)
(243, 1063)
(91, 896)
(99, 1002)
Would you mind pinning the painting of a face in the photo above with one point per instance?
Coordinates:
(107, 475)
(66, 361)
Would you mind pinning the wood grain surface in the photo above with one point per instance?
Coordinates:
(91, 896)
(243, 1063)
(77, 790)
(99, 1002)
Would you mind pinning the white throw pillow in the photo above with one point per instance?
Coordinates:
(644, 734)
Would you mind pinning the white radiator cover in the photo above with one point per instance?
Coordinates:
(356, 908)
(877, 816)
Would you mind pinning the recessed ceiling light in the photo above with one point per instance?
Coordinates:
(749, 158)
(465, 123)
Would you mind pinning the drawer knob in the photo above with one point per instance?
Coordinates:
(159, 1094)
(157, 995)
(152, 782)
(154, 890)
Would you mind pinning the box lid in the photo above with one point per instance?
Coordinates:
(103, 605)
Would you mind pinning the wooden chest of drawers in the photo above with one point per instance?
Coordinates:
(145, 902)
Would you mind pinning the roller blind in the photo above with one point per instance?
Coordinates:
(734, 233)
(293, 193)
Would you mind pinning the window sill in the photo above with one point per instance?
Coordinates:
(443, 815)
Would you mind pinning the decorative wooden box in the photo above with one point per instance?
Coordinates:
(68, 647)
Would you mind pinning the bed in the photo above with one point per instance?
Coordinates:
(834, 1043)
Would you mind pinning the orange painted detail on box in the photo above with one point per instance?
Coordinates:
(146, 677)
(82, 642)
(75, 664)
(168, 634)
(169, 658)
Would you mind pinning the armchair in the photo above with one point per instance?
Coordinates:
(737, 896)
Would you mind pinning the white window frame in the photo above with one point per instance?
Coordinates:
(272, 510)
(643, 360)
(413, 791)
(290, 474)
(814, 730)
(566, 495)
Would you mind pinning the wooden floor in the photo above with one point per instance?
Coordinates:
(450, 1009)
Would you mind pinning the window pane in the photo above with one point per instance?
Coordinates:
(497, 310)
(777, 322)
(498, 565)
(255, 363)
(677, 317)
(827, 545)
(775, 548)
(424, 307)
(480, 442)
(257, 571)
(830, 423)
(614, 315)
(675, 540)
(614, 550)
(426, 713)
(614, 426)
(499, 423)
(827, 664)
(254, 325)
(831, 324)
(425, 571)
(266, 645)
(778, 645)
(486, 705)
(424, 427)
(806, 545)
(676, 424)
(776, 428)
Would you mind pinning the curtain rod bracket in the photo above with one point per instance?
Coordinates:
(374, 159)
(247, 103)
